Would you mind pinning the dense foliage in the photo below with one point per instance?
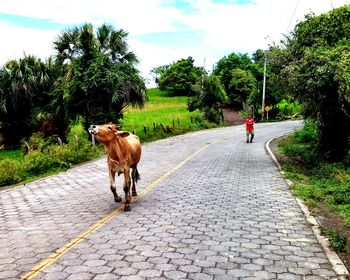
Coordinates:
(92, 75)
(179, 77)
(316, 70)
(239, 75)
(209, 98)
(46, 158)
(99, 79)
(24, 95)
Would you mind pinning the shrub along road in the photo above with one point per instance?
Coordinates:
(210, 206)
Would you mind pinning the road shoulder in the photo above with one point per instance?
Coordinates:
(335, 260)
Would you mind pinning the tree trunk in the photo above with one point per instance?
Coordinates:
(334, 127)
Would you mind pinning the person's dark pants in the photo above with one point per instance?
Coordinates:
(251, 133)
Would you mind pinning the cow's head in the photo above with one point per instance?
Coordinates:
(104, 132)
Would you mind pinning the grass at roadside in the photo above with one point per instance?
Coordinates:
(316, 182)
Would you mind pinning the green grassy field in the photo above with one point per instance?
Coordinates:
(162, 108)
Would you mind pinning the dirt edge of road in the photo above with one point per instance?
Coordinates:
(324, 216)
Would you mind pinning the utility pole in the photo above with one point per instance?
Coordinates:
(263, 92)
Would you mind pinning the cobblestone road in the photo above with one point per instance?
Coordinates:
(220, 210)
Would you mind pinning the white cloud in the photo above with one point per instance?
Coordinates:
(225, 28)
(15, 41)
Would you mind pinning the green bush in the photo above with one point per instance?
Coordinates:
(36, 163)
(302, 145)
(212, 115)
(10, 172)
(287, 110)
(77, 133)
(336, 239)
(46, 157)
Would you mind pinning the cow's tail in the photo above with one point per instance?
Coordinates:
(137, 176)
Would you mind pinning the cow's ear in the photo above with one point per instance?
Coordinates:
(123, 134)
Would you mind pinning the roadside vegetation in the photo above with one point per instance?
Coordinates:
(46, 157)
(314, 69)
(319, 183)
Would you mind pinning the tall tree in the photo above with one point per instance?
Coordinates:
(180, 76)
(24, 87)
(241, 86)
(317, 73)
(209, 98)
(240, 76)
(99, 78)
(225, 65)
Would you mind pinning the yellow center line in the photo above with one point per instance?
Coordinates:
(60, 252)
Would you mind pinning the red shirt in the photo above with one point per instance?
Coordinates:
(249, 124)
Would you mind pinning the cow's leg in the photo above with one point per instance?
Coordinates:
(113, 187)
(127, 183)
(135, 176)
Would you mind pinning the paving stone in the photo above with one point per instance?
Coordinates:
(59, 275)
(8, 274)
(107, 276)
(125, 271)
(166, 267)
(289, 276)
(264, 275)
(133, 277)
(175, 274)
(80, 276)
(148, 273)
(239, 273)
(200, 276)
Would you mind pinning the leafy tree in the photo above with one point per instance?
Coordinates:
(241, 77)
(317, 73)
(180, 76)
(99, 79)
(209, 98)
(274, 91)
(225, 65)
(241, 86)
(24, 87)
(157, 72)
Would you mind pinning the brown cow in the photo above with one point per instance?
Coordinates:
(123, 151)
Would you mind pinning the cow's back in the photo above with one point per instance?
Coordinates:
(135, 147)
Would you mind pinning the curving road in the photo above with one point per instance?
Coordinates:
(210, 206)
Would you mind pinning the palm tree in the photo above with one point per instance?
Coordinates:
(99, 77)
(24, 87)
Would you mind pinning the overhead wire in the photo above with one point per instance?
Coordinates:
(291, 19)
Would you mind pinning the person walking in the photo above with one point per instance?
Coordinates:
(249, 128)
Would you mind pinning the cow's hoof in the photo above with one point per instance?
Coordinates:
(127, 208)
(118, 199)
(134, 194)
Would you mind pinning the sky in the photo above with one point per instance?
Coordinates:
(160, 31)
